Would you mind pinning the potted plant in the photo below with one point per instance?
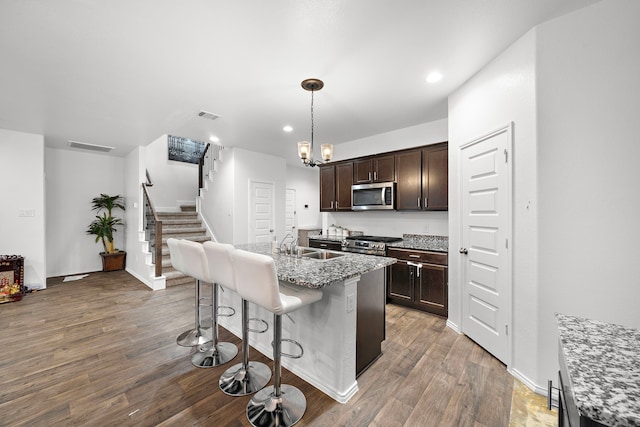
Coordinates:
(103, 228)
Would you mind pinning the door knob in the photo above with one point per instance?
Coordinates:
(464, 251)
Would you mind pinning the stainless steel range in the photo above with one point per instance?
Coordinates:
(370, 245)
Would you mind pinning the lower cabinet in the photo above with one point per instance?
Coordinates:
(418, 280)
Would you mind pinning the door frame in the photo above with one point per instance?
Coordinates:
(508, 128)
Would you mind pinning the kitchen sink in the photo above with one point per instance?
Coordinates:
(318, 254)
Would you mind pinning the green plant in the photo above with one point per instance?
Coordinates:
(104, 225)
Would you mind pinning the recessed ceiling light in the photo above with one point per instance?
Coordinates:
(434, 77)
(214, 138)
(287, 128)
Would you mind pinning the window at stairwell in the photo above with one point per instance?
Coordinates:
(185, 149)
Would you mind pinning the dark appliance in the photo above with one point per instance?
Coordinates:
(369, 245)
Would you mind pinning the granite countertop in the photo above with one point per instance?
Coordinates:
(318, 274)
(603, 361)
(422, 242)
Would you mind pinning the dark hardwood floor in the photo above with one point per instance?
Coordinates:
(101, 351)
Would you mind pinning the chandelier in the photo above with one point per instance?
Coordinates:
(305, 148)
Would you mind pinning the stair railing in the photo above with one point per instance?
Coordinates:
(207, 164)
(152, 228)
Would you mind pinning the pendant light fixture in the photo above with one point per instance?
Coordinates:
(305, 148)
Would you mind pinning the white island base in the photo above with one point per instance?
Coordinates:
(325, 329)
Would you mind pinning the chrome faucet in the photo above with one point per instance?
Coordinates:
(282, 243)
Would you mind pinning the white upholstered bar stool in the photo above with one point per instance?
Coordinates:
(195, 336)
(212, 353)
(257, 281)
(246, 377)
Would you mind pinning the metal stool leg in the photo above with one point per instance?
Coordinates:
(246, 377)
(281, 404)
(218, 353)
(195, 336)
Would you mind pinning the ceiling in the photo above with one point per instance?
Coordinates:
(123, 72)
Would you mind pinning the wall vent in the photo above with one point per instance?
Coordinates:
(208, 115)
(91, 147)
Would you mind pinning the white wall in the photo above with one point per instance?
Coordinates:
(73, 179)
(588, 110)
(306, 182)
(502, 92)
(218, 198)
(173, 182)
(23, 189)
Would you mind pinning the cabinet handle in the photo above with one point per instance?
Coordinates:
(375, 175)
(425, 202)
(464, 251)
(336, 204)
(418, 202)
(331, 205)
(414, 256)
(369, 177)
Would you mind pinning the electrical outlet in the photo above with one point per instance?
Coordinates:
(351, 303)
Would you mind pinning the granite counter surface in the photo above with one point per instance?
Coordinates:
(422, 242)
(603, 361)
(315, 273)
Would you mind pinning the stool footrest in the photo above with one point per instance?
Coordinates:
(232, 311)
(296, 343)
(258, 331)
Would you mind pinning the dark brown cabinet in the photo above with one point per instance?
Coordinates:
(418, 280)
(423, 178)
(335, 186)
(375, 169)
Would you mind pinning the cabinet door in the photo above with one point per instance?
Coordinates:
(384, 168)
(435, 178)
(362, 171)
(344, 179)
(409, 180)
(431, 289)
(327, 188)
(400, 285)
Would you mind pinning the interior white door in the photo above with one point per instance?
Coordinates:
(290, 212)
(486, 231)
(261, 212)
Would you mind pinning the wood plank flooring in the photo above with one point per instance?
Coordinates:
(101, 351)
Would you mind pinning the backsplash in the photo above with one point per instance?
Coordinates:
(394, 224)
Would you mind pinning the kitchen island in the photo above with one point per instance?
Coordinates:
(326, 329)
(599, 373)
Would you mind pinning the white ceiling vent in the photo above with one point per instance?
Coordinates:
(208, 115)
(91, 147)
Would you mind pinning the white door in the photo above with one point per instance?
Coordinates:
(261, 212)
(290, 212)
(486, 231)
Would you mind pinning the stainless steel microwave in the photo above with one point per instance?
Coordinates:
(373, 196)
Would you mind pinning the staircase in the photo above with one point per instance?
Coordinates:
(179, 225)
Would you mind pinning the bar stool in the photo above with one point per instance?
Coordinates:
(196, 265)
(257, 281)
(195, 336)
(248, 376)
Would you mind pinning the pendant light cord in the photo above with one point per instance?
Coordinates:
(311, 124)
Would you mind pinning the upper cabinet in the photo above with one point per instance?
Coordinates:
(422, 178)
(421, 175)
(335, 186)
(375, 169)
